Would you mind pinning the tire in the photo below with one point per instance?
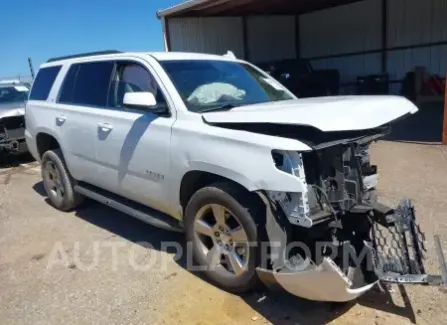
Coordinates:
(244, 207)
(69, 198)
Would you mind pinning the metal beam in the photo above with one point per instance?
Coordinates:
(379, 50)
(297, 37)
(166, 32)
(384, 27)
(245, 38)
(260, 7)
(211, 4)
(444, 121)
(212, 8)
(223, 8)
(183, 7)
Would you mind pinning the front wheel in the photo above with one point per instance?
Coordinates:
(220, 225)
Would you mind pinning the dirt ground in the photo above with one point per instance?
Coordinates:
(80, 267)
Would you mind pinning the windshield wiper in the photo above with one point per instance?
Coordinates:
(225, 107)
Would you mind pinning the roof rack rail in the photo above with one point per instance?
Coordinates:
(80, 55)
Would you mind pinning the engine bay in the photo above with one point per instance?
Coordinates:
(341, 191)
(365, 240)
(339, 178)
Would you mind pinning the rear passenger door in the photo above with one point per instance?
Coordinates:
(83, 96)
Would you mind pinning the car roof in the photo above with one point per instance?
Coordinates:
(168, 56)
(160, 56)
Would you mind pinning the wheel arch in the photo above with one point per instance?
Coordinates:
(46, 141)
(197, 178)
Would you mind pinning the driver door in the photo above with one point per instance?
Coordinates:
(133, 143)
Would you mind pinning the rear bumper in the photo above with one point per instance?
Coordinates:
(324, 282)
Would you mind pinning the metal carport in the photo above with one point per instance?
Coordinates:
(355, 37)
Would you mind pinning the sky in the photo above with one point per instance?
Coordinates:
(42, 29)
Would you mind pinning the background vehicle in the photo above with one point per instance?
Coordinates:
(215, 147)
(13, 96)
(302, 79)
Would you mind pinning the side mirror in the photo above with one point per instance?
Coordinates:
(139, 100)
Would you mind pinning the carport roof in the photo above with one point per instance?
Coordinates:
(207, 8)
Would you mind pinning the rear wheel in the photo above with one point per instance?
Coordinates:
(58, 182)
(220, 225)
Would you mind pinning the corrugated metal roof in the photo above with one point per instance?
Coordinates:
(263, 42)
(412, 22)
(352, 28)
(208, 35)
(221, 34)
(203, 8)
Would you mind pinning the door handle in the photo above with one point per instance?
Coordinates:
(60, 119)
(105, 126)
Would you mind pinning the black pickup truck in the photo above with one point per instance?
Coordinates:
(301, 79)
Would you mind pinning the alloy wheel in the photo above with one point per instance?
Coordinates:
(222, 240)
(53, 180)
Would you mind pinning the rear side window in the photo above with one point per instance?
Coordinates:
(43, 83)
(87, 84)
(66, 91)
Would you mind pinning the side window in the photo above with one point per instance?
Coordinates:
(66, 92)
(87, 84)
(43, 83)
(132, 77)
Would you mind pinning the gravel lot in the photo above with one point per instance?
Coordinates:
(87, 266)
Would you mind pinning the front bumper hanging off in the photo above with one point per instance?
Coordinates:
(397, 249)
(325, 282)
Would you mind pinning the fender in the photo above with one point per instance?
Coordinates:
(233, 175)
(43, 129)
(211, 168)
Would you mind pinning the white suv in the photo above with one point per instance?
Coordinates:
(215, 147)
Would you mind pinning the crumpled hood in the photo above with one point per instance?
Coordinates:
(341, 113)
(12, 109)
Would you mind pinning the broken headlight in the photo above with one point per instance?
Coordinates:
(294, 204)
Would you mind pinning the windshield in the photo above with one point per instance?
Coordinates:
(207, 85)
(12, 94)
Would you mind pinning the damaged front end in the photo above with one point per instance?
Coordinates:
(332, 240)
(13, 96)
(336, 241)
(12, 134)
